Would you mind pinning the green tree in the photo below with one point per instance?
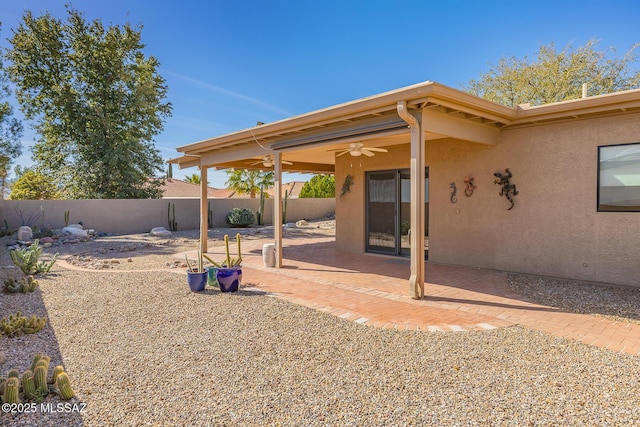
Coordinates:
(194, 178)
(319, 186)
(97, 103)
(10, 131)
(249, 181)
(33, 185)
(557, 76)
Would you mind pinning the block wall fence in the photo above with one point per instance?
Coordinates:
(129, 216)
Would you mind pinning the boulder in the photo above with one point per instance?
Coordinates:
(160, 232)
(46, 239)
(25, 233)
(73, 230)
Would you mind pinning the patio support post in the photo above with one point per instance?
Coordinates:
(277, 206)
(416, 280)
(204, 224)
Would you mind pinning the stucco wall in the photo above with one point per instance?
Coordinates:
(139, 216)
(350, 208)
(554, 228)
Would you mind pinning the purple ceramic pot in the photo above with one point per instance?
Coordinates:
(228, 279)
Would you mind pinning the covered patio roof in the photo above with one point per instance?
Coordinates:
(305, 139)
(410, 115)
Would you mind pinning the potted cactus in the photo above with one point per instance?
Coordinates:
(196, 277)
(229, 271)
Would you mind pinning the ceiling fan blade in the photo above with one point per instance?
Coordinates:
(284, 162)
(366, 152)
(340, 154)
(255, 163)
(337, 149)
(380, 150)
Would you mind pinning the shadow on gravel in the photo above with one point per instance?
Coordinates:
(18, 357)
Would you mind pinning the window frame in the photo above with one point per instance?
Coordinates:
(614, 208)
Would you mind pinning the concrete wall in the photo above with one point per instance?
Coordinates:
(139, 216)
(554, 228)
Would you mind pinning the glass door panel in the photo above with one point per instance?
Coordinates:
(381, 211)
(388, 216)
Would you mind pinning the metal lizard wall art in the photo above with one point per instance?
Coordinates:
(453, 192)
(470, 186)
(508, 189)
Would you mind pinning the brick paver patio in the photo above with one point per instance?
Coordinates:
(373, 290)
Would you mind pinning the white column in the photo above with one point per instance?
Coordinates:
(277, 206)
(204, 224)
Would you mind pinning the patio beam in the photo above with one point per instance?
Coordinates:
(204, 224)
(416, 280)
(277, 206)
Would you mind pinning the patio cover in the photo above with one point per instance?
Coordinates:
(413, 114)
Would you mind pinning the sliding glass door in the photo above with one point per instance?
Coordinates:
(388, 216)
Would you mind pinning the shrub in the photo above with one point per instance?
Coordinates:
(240, 217)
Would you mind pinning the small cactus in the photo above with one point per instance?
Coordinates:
(43, 363)
(11, 389)
(35, 360)
(64, 386)
(46, 359)
(56, 371)
(13, 374)
(40, 378)
(19, 324)
(28, 284)
(28, 385)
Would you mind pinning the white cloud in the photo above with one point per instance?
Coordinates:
(232, 94)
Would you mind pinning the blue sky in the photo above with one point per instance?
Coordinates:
(229, 64)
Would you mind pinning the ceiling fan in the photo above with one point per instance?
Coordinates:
(357, 149)
(267, 161)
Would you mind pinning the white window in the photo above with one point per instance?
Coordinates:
(619, 178)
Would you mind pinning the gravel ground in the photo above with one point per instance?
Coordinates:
(611, 302)
(142, 350)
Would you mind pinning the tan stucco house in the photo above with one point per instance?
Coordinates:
(431, 185)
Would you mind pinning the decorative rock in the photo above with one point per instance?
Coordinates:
(46, 239)
(78, 226)
(25, 233)
(47, 245)
(160, 232)
(302, 223)
(75, 231)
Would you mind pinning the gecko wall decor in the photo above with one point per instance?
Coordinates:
(468, 191)
(453, 192)
(508, 190)
(346, 186)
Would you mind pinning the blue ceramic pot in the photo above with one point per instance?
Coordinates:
(197, 281)
(228, 279)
